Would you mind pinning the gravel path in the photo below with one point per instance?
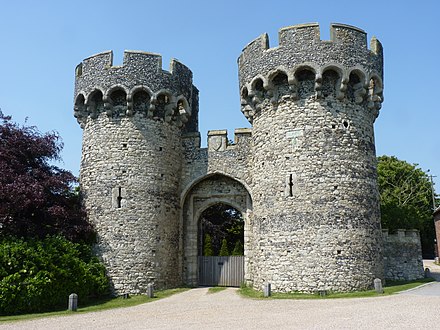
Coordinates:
(196, 309)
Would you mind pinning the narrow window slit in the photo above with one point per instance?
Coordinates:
(290, 185)
(119, 198)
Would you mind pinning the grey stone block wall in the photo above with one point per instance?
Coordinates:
(133, 117)
(304, 175)
(316, 221)
(403, 255)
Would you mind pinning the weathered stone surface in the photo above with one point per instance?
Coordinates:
(403, 255)
(304, 176)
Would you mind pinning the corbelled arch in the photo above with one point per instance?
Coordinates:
(207, 191)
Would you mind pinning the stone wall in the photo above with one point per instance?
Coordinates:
(133, 117)
(304, 176)
(403, 255)
(312, 103)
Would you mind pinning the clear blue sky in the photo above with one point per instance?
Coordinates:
(42, 42)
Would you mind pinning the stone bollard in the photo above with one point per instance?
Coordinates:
(427, 272)
(150, 290)
(267, 290)
(73, 302)
(322, 293)
(378, 285)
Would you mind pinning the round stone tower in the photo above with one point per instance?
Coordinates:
(133, 117)
(312, 105)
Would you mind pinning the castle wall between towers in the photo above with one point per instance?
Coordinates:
(304, 175)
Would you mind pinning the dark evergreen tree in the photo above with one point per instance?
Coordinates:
(222, 221)
(238, 249)
(224, 252)
(207, 247)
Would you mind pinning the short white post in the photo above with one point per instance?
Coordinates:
(267, 290)
(378, 285)
(150, 290)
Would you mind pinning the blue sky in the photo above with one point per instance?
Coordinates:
(43, 41)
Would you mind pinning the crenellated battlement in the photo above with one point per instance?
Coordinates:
(402, 235)
(304, 177)
(305, 36)
(218, 139)
(303, 65)
(150, 62)
(403, 255)
(139, 85)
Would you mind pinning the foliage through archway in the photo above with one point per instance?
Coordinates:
(221, 231)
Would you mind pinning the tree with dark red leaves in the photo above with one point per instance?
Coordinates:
(37, 198)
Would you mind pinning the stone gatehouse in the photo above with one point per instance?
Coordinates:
(304, 175)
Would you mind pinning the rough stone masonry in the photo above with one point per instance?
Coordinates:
(304, 175)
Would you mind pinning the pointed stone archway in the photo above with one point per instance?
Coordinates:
(210, 190)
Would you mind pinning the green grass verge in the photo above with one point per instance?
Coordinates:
(98, 305)
(390, 288)
(216, 289)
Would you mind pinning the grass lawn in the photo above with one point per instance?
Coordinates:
(98, 305)
(216, 289)
(390, 288)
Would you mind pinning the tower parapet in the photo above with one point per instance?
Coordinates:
(133, 117)
(301, 59)
(312, 105)
(139, 85)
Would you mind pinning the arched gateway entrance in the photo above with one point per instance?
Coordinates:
(210, 190)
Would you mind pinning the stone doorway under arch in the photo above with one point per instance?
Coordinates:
(220, 248)
(204, 193)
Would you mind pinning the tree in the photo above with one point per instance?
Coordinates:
(207, 247)
(222, 221)
(406, 199)
(37, 198)
(238, 249)
(224, 252)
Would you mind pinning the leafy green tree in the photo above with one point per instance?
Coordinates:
(238, 249)
(406, 199)
(224, 252)
(207, 247)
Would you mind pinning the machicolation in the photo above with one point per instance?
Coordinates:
(303, 177)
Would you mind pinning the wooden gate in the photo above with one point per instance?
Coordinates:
(221, 271)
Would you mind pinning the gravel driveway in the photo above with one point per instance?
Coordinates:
(196, 309)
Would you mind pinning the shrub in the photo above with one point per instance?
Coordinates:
(238, 249)
(207, 248)
(39, 275)
(224, 252)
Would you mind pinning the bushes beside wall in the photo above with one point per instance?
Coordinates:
(39, 275)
